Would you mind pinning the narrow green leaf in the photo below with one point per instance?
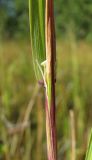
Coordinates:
(37, 32)
(89, 151)
(42, 21)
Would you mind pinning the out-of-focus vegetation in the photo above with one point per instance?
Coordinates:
(19, 91)
(76, 14)
(22, 124)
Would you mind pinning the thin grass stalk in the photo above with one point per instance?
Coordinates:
(50, 78)
(39, 154)
(73, 135)
(41, 16)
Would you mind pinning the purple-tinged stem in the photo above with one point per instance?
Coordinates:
(50, 79)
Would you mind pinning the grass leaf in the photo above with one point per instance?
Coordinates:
(89, 151)
(37, 32)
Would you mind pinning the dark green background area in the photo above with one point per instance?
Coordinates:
(75, 15)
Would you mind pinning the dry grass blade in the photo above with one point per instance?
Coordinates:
(17, 138)
(73, 135)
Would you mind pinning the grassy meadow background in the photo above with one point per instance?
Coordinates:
(22, 113)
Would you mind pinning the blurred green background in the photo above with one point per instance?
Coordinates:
(22, 113)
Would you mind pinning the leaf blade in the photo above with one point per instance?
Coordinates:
(89, 150)
(37, 32)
